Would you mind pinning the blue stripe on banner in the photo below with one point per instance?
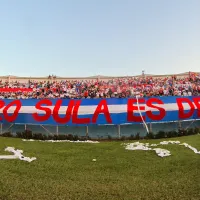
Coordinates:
(171, 99)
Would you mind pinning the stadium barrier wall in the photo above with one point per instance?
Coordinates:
(99, 131)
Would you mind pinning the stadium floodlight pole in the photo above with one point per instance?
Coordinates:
(8, 78)
(147, 129)
(143, 75)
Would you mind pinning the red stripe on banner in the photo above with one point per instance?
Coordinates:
(16, 89)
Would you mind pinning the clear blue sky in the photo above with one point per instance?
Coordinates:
(99, 37)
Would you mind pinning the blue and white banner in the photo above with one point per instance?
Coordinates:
(99, 111)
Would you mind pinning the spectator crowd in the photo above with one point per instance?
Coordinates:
(114, 88)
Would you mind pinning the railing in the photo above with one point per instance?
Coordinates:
(99, 132)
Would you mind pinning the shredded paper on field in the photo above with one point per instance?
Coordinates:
(159, 151)
(17, 155)
(54, 141)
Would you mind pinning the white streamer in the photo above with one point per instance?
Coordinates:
(190, 147)
(142, 116)
(160, 152)
(17, 155)
(55, 141)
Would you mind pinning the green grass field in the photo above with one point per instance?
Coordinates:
(66, 171)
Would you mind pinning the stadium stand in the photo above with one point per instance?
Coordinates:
(185, 84)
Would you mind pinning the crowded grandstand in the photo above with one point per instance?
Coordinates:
(123, 87)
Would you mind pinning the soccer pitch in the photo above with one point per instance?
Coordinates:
(66, 171)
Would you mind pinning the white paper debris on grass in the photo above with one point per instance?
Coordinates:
(159, 151)
(55, 141)
(162, 152)
(17, 155)
(190, 147)
(169, 142)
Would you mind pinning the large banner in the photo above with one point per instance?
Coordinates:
(16, 89)
(99, 111)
